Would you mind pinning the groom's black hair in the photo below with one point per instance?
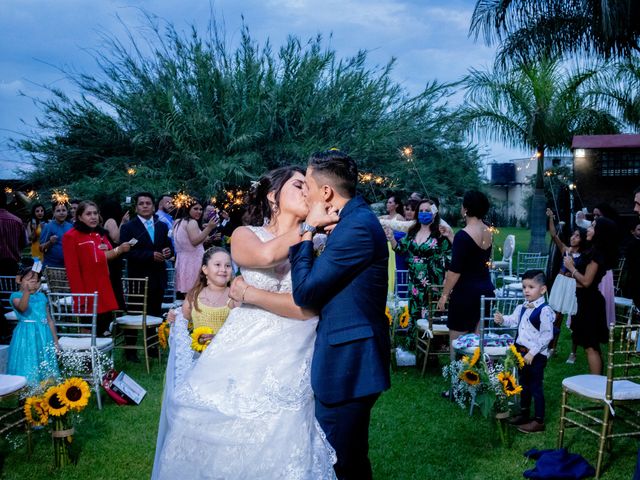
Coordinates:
(338, 169)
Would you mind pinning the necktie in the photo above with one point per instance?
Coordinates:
(530, 305)
(150, 228)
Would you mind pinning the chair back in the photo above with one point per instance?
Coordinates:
(624, 350)
(617, 275)
(170, 290)
(135, 291)
(531, 261)
(402, 284)
(75, 314)
(489, 306)
(57, 281)
(434, 293)
(508, 248)
(8, 285)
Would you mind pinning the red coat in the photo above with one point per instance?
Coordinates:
(87, 267)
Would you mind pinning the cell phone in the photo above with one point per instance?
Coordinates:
(127, 201)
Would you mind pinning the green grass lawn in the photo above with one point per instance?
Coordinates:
(415, 434)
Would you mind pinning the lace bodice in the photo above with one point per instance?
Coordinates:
(275, 279)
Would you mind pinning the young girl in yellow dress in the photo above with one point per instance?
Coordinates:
(208, 304)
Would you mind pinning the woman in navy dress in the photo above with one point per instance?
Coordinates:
(468, 276)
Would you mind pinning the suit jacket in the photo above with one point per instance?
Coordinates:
(347, 283)
(140, 262)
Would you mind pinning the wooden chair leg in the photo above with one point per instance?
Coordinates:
(603, 439)
(426, 357)
(563, 411)
(146, 351)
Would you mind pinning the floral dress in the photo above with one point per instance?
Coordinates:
(427, 263)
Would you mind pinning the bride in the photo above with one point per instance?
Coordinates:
(245, 408)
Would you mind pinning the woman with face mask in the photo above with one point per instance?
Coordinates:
(428, 250)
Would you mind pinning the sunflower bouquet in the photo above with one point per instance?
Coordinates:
(197, 343)
(490, 384)
(56, 405)
(163, 334)
(399, 319)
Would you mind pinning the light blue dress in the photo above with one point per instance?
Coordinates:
(32, 352)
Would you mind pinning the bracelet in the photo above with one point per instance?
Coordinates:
(573, 274)
(117, 250)
(243, 292)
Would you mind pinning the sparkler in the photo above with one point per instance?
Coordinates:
(59, 197)
(131, 171)
(183, 200)
(407, 152)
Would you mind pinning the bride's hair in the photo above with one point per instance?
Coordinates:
(201, 282)
(259, 207)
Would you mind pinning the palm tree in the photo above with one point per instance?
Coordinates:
(534, 105)
(619, 90)
(528, 29)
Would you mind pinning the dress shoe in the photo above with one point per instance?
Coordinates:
(519, 420)
(532, 427)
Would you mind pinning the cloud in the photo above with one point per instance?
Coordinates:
(429, 39)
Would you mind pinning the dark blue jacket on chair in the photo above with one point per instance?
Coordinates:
(347, 284)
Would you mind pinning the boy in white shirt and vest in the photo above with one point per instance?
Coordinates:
(534, 319)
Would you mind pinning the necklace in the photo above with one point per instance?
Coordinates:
(215, 301)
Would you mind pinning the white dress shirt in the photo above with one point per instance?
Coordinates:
(537, 341)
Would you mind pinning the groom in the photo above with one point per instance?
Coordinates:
(347, 284)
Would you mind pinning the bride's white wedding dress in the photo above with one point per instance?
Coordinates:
(245, 408)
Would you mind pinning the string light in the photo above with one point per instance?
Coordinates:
(32, 194)
(8, 190)
(407, 152)
(131, 171)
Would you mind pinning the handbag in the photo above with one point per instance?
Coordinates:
(107, 384)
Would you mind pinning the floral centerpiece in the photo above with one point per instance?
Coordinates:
(489, 384)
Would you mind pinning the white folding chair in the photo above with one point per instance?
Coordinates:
(508, 250)
(75, 316)
(8, 285)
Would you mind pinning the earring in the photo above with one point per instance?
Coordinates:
(275, 208)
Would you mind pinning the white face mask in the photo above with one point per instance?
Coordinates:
(582, 222)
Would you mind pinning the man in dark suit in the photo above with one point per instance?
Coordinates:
(347, 284)
(148, 256)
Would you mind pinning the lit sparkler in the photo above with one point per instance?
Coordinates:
(59, 197)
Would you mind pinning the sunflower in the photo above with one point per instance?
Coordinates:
(34, 411)
(465, 359)
(509, 384)
(74, 393)
(163, 334)
(387, 312)
(470, 376)
(516, 355)
(404, 318)
(195, 338)
(475, 358)
(52, 404)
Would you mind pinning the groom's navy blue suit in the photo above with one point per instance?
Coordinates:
(347, 284)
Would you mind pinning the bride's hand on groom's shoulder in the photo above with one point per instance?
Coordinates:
(322, 216)
(238, 289)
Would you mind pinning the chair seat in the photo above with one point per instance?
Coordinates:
(136, 320)
(500, 264)
(595, 387)
(11, 383)
(84, 343)
(436, 328)
(11, 316)
(623, 302)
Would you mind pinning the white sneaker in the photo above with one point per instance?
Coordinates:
(572, 359)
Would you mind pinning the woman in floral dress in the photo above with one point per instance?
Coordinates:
(428, 249)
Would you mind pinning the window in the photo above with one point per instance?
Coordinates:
(619, 164)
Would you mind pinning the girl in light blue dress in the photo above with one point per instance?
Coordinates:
(32, 352)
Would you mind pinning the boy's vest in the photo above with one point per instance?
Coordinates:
(534, 318)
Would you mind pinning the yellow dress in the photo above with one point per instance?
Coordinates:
(212, 317)
(35, 245)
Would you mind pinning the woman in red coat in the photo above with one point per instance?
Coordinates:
(87, 251)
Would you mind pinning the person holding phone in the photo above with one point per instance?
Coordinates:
(189, 238)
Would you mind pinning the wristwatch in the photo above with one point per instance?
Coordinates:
(305, 227)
